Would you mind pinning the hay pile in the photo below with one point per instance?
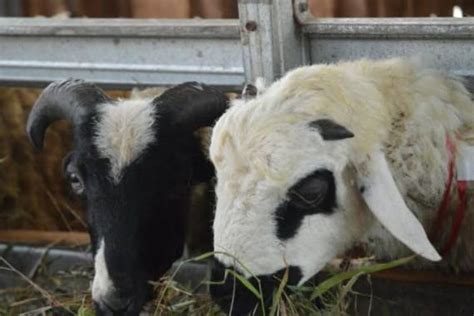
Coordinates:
(67, 292)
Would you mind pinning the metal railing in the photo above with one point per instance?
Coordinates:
(120, 52)
(271, 37)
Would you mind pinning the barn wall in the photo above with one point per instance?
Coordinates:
(228, 8)
(388, 8)
(133, 8)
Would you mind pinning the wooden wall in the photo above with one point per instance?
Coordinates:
(228, 8)
(388, 8)
(133, 8)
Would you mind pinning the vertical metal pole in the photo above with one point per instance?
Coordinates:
(3, 8)
(272, 42)
(16, 8)
(11, 8)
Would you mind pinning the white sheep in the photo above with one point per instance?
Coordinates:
(333, 155)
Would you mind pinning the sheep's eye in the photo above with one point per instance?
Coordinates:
(310, 192)
(76, 183)
(315, 194)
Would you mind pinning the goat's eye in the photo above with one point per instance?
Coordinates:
(76, 183)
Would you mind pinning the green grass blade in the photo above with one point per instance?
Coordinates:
(84, 311)
(202, 257)
(278, 293)
(329, 283)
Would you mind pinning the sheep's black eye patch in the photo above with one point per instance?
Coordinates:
(314, 194)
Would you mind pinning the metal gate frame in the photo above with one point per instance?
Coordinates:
(270, 38)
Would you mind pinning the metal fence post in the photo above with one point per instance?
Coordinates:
(11, 8)
(272, 42)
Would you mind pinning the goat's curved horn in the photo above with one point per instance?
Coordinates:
(69, 99)
(193, 105)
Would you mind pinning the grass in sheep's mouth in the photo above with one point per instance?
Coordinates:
(66, 293)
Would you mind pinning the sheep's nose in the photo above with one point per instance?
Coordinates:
(233, 296)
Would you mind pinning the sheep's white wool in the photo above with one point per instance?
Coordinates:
(124, 130)
(262, 147)
(102, 284)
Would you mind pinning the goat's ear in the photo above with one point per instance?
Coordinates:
(331, 130)
(386, 203)
(192, 105)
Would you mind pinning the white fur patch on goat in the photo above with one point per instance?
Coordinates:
(102, 284)
(124, 131)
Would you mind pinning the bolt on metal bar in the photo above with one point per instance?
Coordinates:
(272, 43)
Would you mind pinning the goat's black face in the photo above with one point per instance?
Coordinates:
(134, 164)
(136, 216)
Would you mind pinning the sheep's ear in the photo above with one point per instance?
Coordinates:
(249, 92)
(386, 203)
(331, 130)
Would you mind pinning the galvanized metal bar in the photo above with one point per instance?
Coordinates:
(174, 28)
(272, 43)
(407, 28)
(125, 52)
(446, 43)
(120, 52)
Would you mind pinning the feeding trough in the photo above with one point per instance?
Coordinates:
(46, 275)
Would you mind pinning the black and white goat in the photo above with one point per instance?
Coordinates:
(134, 162)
